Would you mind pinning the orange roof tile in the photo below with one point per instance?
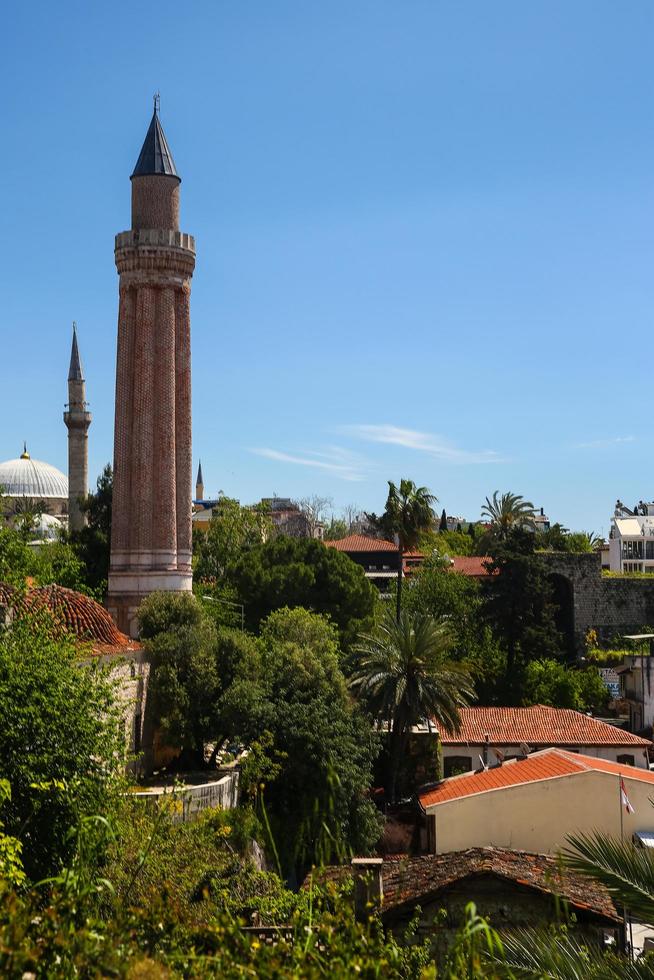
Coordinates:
(361, 542)
(73, 613)
(536, 725)
(547, 764)
(476, 566)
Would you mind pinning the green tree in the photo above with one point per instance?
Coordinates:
(551, 682)
(232, 531)
(519, 607)
(202, 675)
(93, 541)
(506, 513)
(437, 591)
(443, 524)
(324, 747)
(303, 572)
(408, 515)
(61, 742)
(446, 543)
(404, 676)
(336, 529)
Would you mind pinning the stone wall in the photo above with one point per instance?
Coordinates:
(611, 606)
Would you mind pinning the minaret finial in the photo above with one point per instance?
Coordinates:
(156, 98)
(25, 454)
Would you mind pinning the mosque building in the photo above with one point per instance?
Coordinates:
(32, 485)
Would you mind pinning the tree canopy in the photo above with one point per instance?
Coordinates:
(303, 572)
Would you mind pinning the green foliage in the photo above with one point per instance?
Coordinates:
(185, 687)
(559, 538)
(204, 679)
(163, 612)
(447, 543)
(322, 746)
(11, 863)
(506, 513)
(303, 572)
(407, 516)
(550, 682)
(92, 542)
(336, 529)
(403, 676)
(232, 531)
(519, 607)
(60, 742)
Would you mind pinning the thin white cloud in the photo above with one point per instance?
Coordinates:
(604, 443)
(424, 442)
(339, 462)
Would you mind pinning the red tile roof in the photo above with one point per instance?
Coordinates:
(73, 613)
(407, 881)
(476, 566)
(547, 764)
(539, 725)
(361, 543)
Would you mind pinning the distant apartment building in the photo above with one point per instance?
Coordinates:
(541, 520)
(292, 520)
(631, 539)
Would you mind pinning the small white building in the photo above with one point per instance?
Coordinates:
(631, 539)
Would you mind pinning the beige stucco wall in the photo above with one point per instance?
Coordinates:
(539, 816)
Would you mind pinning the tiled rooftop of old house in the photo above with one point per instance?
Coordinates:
(547, 764)
(408, 881)
(72, 613)
(537, 725)
(411, 880)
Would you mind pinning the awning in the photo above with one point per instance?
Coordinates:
(645, 838)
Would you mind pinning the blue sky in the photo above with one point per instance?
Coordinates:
(424, 235)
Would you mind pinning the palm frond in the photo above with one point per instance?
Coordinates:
(543, 955)
(626, 871)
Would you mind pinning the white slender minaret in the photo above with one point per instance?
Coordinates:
(77, 419)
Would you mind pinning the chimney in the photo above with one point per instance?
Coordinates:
(368, 886)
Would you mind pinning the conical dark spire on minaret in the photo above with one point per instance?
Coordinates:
(155, 156)
(199, 479)
(75, 369)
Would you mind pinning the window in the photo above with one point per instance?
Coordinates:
(455, 764)
(627, 760)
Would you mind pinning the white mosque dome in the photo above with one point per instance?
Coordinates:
(27, 477)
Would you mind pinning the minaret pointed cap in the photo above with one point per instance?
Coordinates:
(155, 156)
(75, 369)
(199, 479)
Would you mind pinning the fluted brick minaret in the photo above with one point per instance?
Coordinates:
(77, 419)
(151, 519)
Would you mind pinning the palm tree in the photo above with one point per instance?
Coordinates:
(407, 515)
(403, 674)
(507, 512)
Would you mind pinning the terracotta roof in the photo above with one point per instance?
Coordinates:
(547, 764)
(476, 566)
(74, 613)
(361, 542)
(408, 881)
(539, 725)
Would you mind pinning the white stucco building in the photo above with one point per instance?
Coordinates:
(631, 539)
